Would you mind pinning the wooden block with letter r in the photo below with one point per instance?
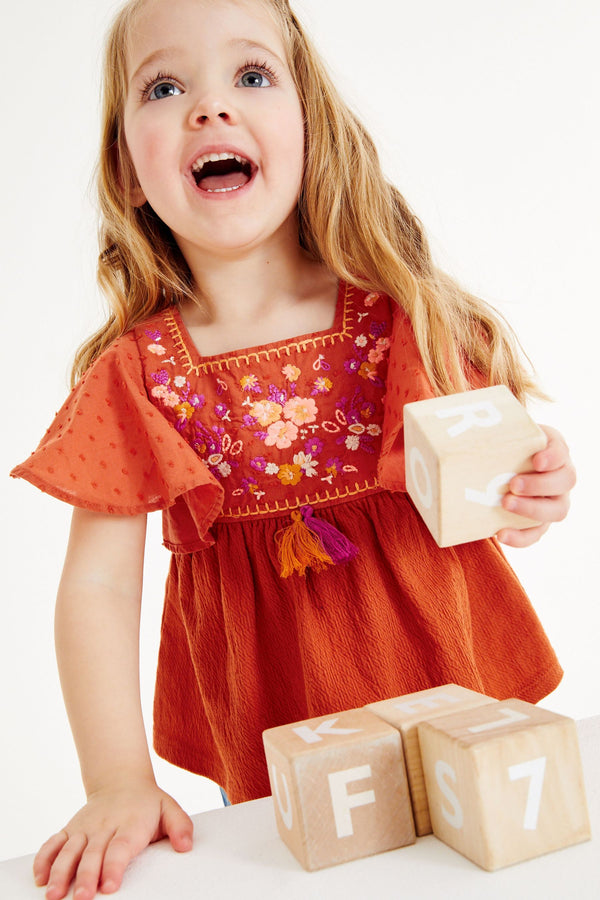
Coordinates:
(339, 787)
(461, 451)
(504, 782)
(405, 713)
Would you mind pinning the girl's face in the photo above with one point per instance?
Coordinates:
(213, 124)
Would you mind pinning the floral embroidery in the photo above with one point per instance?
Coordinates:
(292, 373)
(315, 419)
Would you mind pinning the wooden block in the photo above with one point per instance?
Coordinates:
(406, 713)
(461, 451)
(339, 787)
(504, 782)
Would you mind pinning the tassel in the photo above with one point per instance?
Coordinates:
(336, 544)
(311, 543)
(300, 548)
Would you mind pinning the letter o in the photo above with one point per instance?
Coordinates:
(420, 473)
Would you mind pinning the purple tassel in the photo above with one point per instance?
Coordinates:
(335, 544)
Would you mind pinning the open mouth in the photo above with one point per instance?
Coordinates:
(218, 173)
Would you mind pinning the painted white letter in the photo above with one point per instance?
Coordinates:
(454, 816)
(421, 477)
(492, 495)
(471, 418)
(343, 802)
(287, 813)
(325, 728)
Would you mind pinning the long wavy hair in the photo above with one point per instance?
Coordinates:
(349, 217)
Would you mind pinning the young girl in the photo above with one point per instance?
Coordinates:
(274, 306)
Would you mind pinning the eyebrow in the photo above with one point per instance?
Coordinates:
(165, 53)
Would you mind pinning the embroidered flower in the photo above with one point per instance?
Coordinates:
(249, 485)
(271, 469)
(161, 377)
(352, 365)
(289, 474)
(250, 383)
(185, 411)
(322, 386)
(375, 356)
(301, 410)
(266, 412)
(224, 469)
(281, 435)
(368, 370)
(313, 446)
(180, 381)
(371, 299)
(361, 340)
(156, 349)
(334, 466)
(153, 335)
(352, 442)
(259, 463)
(306, 463)
(383, 344)
(166, 395)
(222, 411)
(292, 373)
(373, 430)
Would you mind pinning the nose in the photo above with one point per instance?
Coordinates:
(212, 107)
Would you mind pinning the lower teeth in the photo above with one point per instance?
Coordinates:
(224, 190)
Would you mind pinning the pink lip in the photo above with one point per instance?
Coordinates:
(219, 148)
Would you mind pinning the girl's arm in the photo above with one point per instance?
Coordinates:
(542, 494)
(97, 639)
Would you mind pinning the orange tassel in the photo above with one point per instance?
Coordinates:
(299, 549)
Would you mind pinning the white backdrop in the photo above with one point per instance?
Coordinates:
(486, 115)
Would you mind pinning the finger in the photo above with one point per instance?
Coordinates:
(46, 856)
(178, 826)
(65, 866)
(524, 537)
(540, 509)
(546, 484)
(554, 455)
(90, 867)
(119, 853)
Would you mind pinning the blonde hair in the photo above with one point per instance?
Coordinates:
(350, 218)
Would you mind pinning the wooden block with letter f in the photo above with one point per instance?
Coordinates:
(339, 787)
(461, 451)
(406, 713)
(504, 782)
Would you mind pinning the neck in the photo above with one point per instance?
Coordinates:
(265, 276)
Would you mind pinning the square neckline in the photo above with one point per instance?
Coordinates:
(194, 360)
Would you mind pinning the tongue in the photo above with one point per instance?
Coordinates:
(221, 182)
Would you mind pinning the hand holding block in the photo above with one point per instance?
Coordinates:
(406, 713)
(339, 788)
(461, 451)
(504, 782)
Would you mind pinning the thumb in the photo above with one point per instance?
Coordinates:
(177, 826)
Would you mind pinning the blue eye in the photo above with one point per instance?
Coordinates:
(162, 90)
(254, 78)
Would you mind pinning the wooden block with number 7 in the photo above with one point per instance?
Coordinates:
(339, 787)
(504, 782)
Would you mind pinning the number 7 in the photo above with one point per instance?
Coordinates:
(534, 769)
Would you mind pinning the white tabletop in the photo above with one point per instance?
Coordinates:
(237, 851)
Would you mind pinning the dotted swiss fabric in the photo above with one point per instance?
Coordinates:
(228, 447)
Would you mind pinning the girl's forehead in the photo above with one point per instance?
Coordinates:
(157, 23)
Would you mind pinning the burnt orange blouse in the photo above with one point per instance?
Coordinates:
(235, 450)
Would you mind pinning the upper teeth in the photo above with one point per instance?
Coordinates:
(215, 157)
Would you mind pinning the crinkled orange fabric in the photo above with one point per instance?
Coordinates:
(228, 447)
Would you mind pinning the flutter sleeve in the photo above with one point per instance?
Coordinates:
(110, 450)
(406, 382)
